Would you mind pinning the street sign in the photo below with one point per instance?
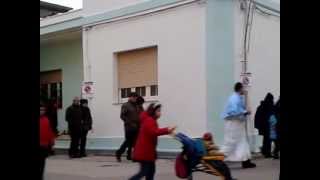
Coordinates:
(87, 90)
(246, 79)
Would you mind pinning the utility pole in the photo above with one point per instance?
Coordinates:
(245, 75)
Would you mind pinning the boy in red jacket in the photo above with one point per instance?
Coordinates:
(145, 148)
(46, 139)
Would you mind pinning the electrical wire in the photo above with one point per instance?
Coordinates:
(265, 12)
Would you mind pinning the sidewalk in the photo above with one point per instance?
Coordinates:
(60, 167)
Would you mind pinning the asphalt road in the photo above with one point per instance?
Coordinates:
(106, 168)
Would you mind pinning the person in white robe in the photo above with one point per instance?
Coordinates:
(236, 146)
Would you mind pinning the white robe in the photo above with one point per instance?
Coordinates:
(236, 146)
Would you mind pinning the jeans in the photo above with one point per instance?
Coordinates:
(74, 144)
(42, 158)
(130, 139)
(147, 169)
(266, 146)
(276, 147)
(83, 142)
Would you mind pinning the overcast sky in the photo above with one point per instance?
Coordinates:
(77, 4)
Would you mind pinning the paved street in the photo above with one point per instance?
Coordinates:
(60, 167)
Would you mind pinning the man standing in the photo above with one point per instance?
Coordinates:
(74, 118)
(236, 145)
(86, 125)
(130, 116)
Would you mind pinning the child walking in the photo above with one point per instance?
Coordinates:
(145, 148)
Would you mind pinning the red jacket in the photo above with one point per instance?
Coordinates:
(146, 144)
(46, 133)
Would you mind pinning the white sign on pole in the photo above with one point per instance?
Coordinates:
(246, 79)
(87, 90)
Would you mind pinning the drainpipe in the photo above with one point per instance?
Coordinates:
(245, 76)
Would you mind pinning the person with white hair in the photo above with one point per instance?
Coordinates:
(74, 118)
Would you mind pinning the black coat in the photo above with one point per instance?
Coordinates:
(261, 119)
(130, 116)
(277, 114)
(74, 118)
(86, 119)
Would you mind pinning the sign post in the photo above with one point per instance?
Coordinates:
(87, 90)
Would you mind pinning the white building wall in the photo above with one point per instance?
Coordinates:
(180, 36)
(264, 55)
(92, 7)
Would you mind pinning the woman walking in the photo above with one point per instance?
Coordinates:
(145, 148)
(46, 139)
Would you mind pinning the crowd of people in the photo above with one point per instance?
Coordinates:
(141, 131)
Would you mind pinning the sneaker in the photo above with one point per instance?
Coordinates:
(248, 164)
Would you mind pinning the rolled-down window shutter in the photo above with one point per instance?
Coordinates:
(138, 68)
(50, 77)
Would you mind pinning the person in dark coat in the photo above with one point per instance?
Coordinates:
(130, 117)
(52, 114)
(86, 125)
(263, 113)
(74, 118)
(140, 102)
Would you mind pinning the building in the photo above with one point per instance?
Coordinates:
(185, 54)
(49, 9)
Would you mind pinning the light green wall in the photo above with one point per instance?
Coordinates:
(65, 55)
(220, 61)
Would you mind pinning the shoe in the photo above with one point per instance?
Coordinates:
(275, 156)
(267, 155)
(129, 158)
(83, 155)
(248, 164)
(118, 157)
(74, 156)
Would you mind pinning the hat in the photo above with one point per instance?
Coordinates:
(207, 136)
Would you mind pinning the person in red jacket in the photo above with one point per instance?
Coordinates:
(46, 139)
(145, 148)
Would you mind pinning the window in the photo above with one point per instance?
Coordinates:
(137, 72)
(154, 90)
(51, 86)
(125, 92)
(141, 91)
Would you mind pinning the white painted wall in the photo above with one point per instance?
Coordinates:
(99, 6)
(264, 55)
(180, 37)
